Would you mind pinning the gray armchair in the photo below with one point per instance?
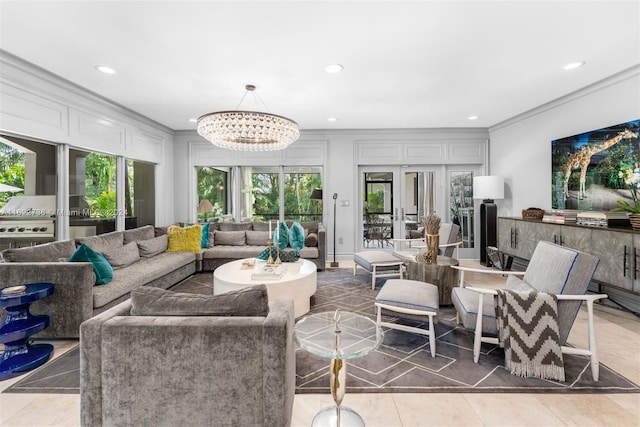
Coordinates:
(173, 370)
(553, 269)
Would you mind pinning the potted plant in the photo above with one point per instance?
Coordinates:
(631, 177)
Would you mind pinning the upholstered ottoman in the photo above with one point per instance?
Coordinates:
(409, 299)
(378, 264)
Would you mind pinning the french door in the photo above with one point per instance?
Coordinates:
(393, 200)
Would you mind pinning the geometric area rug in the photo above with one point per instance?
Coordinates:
(401, 364)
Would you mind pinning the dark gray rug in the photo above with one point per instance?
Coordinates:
(402, 364)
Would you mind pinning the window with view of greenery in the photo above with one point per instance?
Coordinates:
(212, 186)
(260, 192)
(11, 171)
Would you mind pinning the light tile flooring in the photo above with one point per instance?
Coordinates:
(618, 337)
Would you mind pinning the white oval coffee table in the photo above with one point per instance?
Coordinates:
(299, 281)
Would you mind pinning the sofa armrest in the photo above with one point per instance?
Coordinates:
(91, 364)
(72, 300)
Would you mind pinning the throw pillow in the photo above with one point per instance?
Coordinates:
(204, 240)
(281, 235)
(229, 238)
(285, 256)
(149, 301)
(184, 239)
(257, 238)
(123, 256)
(153, 247)
(136, 234)
(311, 240)
(101, 267)
(47, 252)
(296, 236)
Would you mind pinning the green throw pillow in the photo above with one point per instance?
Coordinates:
(282, 234)
(101, 267)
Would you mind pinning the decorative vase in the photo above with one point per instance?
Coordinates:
(431, 254)
(635, 221)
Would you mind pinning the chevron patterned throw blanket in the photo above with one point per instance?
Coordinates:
(528, 332)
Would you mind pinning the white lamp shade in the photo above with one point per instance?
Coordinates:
(488, 187)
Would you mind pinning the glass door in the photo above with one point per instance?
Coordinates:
(393, 201)
(461, 206)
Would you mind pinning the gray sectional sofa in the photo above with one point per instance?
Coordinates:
(230, 241)
(76, 298)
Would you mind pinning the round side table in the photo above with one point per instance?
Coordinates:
(19, 356)
(338, 336)
(440, 274)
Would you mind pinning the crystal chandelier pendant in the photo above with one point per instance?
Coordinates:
(248, 130)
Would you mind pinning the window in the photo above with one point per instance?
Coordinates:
(213, 184)
(264, 192)
(299, 183)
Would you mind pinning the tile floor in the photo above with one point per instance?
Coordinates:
(618, 337)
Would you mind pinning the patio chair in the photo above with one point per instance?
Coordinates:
(553, 269)
(449, 243)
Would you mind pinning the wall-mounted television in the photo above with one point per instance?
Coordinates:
(590, 170)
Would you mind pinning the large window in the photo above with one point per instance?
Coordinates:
(265, 192)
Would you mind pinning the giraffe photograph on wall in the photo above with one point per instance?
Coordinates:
(592, 170)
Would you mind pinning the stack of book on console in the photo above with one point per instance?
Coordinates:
(604, 219)
(564, 216)
(268, 272)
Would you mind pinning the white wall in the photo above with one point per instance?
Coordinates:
(37, 105)
(520, 148)
(337, 152)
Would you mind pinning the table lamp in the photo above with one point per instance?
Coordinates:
(205, 207)
(488, 189)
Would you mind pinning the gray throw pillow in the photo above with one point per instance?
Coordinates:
(102, 242)
(123, 256)
(311, 240)
(236, 226)
(148, 301)
(137, 234)
(229, 238)
(257, 238)
(153, 247)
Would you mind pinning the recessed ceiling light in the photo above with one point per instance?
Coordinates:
(333, 68)
(333, 119)
(473, 117)
(573, 65)
(105, 69)
(193, 120)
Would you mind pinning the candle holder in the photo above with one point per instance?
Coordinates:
(270, 259)
(278, 260)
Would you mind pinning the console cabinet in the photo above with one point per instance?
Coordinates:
(618, 249)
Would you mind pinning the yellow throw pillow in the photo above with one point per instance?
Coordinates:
(185, 239)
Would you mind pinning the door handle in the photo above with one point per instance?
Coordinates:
(624, 262)
(395, 218)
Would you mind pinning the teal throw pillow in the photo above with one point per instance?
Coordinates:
(282, 233)
(296, 236)
(101, 267)
(264, 255)
(204, 243)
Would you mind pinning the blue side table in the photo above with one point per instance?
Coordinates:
(19, 356)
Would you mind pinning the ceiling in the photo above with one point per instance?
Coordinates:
(418, 64)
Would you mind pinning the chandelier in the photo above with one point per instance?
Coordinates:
(248, 130)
